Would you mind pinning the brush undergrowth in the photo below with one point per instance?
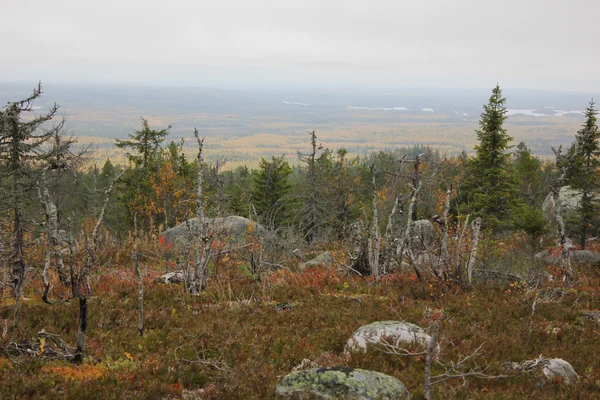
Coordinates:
(233, 343)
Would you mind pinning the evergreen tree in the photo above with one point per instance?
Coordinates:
(145, 143)
(490, 183)
(584, 164)
(22, 145)
(146, 158)
(270, 192)
(529, 176)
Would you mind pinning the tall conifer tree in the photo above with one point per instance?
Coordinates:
(584, 164)
(490, 184)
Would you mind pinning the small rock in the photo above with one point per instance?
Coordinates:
(341, 383)
(284, 307)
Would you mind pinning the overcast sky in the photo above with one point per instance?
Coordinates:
(542, 44)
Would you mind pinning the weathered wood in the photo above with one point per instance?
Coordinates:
(475, 243)
(140, 294)
(81, 332)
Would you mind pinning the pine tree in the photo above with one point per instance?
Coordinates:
(582, 174)
(490, 183)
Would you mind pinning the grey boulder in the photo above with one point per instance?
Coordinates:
(324, 259)
(398, 333)
(341, 383)
(234, 230)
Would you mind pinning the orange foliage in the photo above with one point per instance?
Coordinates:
(75, 373)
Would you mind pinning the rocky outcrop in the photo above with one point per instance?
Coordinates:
(341, 383)
(234, 230)
(394, 332)
(569, 200)
(324, 259)
(579, 256)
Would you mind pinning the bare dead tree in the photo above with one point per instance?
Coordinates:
(460, 369)
(136, 258)
(475, 243)
(443, 261)
(21, 144)
(92, 244)
(199, 247)
(81, 331)
(391, 238)
(60, 159)
(375, 235)
(458, 271)
(406, 245)
(565, 260)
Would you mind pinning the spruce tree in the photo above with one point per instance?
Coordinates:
(23, 145)
(490, 182)
(582, 173)
(270, 192)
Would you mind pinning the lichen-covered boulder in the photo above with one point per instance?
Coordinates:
(557, 368)
(233, 230)
(398, 333)
(324, 259)
(341, 383)
(569, 198)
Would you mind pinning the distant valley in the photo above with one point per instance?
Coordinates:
(242, 126)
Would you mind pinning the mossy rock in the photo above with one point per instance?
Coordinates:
(341, 383)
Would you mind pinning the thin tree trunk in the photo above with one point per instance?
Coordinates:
(443, 261)
(431, 345)
(53, 237)
(45, 277)
(78, 358)
(458, 255)
(560, 225)
(475, 243)
(407, 240)
(375, 237)
(140, 294)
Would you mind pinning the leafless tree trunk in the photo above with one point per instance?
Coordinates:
(136, 258)
(375, 236)
(474, 245)
(196, 277)
(429, 356)
(92, 244)
(565, 261)
(390, 238)
(53, 237)
(78, 358)
(458, 271)
(443, 261)
(407, 245)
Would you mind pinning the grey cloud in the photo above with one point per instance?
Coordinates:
(546, 44)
